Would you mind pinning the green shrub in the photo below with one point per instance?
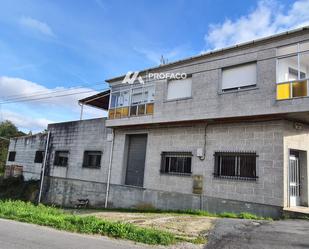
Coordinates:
(50, 216)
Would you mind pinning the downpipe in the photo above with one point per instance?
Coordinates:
(109, 169)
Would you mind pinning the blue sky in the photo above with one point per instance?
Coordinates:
(48, 45)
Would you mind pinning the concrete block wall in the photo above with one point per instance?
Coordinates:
(265, 138)
(207, 102)
(65, 192)
(77, 137)
(25, 148)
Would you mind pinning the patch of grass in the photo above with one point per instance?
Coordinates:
(198, 212)
(56, 218)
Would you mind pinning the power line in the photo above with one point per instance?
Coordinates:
(49, 97)
(38, 93)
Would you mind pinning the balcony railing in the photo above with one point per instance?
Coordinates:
(131, 111)
(292, 89)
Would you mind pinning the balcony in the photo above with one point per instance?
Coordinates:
(132, 102)
(292, 89)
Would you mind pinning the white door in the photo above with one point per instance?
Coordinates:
(294, 181)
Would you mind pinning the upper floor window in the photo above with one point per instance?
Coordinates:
(132, 102)
(61, 158)
(92, 159)
(239, 77)
(12, 155)
(292, 70)
(39, 156)
(236, 165)
(179, 89)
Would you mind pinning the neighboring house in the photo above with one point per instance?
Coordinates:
(28, 152)
(232, 136)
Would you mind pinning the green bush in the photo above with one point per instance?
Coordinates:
(50, 216)
(18, 189)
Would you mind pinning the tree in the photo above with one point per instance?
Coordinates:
(7, 130)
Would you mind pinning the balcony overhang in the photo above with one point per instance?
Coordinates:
(150, 121)
(100, 100)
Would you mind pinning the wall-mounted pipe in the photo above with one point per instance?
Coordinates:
(109, 169)
(205, 140)
(43, 167)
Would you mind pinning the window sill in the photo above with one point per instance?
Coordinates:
(89, 167)
(176, 100)
(246, 179)
(176, 174)
(238, 90)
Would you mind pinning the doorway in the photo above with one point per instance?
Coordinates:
(136, 155)
(294, 179)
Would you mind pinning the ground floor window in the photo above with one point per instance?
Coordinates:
(12, 155)
(176, 162)
(236, 165)
(61, 158)
(92, 159)
(39, 156)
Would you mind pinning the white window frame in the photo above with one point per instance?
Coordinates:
(298, 53)
(178, 98)
(242, 88)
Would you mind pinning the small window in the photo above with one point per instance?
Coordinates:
(179, 89)
(176, 162)
(12, 155)
(92, 159)
(39, 156)
(239, 77)
(61, 158)
(235, 165)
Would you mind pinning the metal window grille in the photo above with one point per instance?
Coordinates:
(235, 165)
(176, 163)
(61, 158)
(92, 159)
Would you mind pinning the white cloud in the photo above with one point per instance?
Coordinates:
(26, 123)
(37, 26)
(35, 115)
(269, 17)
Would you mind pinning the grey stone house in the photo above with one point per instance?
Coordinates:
(232, 135)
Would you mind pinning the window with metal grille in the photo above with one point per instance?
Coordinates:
(39, 156)
(92, 159)
(176, 162)
(12, 155)
(61, 158)
(235, 165)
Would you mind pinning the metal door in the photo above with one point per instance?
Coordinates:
(136, 160)
(294, 181)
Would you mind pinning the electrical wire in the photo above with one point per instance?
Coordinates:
(38, 93)
(49, 97)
